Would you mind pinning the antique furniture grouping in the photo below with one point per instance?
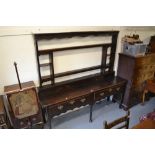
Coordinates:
(59, 97)
(3, 116)
(23, 106)
(136, 70)
(119, 123)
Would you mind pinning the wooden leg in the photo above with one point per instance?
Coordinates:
(120, 106)
(108, 98)
(50, 122)
(143, 97)
(91, 111)
(44, 114)
(113, 100)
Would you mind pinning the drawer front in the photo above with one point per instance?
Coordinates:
(22, 123)
(57, 109)
(78, 102)
(2, 119)
(27, 122)
(107, 92)
(68, 105)
(36, 119)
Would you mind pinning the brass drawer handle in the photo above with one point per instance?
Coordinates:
(83, 100)
(34, 119)
(72, 102)
(60, 107)
(118, 89)
(21, 123)
(101, 94)
(110, 90)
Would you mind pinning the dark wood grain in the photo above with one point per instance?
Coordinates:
(104, 57)
(45, 64)
(61, 35)
(76, 89)
(78, 71)
(62, 96)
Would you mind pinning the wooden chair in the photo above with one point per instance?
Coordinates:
(120, 123)
(148, 87)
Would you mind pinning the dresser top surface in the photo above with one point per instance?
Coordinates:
(72, 91)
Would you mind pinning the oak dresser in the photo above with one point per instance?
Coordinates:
(59, 97)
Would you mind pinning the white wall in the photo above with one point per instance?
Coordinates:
(16, 44)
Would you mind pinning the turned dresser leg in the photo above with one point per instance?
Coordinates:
(50, 122)
(91, 111)
(108, 98)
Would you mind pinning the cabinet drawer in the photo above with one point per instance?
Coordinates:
(57, 109)
(78, 102)
(22, 123)
(36, 119)
(68, 105)
(107, 92)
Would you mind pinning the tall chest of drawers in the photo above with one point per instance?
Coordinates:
(136, 70)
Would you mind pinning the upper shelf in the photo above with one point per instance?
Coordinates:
(46, 51)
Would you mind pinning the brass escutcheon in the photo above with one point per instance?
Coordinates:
(83, 100)
(60, 107)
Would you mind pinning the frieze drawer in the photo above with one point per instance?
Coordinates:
(69, 105)
(57, 109)
(107, 92)
(36, 119)
(78, 102)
